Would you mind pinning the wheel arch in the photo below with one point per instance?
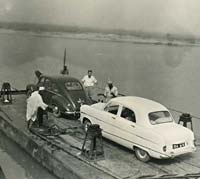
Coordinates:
(85, 118)
(141, 147)
(144, 157)
(152, 153)
(59, 101)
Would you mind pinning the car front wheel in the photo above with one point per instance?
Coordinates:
(56, 111)
(86, 124)
(142, 155)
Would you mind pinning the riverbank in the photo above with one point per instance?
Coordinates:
(135, 39)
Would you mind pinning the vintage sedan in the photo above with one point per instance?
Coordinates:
(64, 94)
(140, 124)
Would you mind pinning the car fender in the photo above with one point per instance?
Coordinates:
(85, 117)
(85, 113)
(155, 145)
(61, 102)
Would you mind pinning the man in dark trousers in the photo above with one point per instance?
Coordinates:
(41, 111)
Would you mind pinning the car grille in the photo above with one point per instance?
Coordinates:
(176, 146)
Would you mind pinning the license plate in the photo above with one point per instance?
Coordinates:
(175, 146)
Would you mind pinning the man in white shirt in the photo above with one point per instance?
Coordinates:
(34, 103)
(110, 91)
(89, 81)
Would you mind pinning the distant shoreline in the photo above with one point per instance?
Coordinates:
(52, 31)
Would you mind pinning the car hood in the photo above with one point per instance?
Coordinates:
(173, 132)
(99, 106)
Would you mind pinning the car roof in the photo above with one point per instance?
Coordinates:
(140, 104)
(58, 78)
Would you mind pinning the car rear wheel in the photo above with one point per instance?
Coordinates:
(142, 155)
(56, 111)
(86, 124)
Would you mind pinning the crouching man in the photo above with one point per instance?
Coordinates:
(110, 91)
(35, 108)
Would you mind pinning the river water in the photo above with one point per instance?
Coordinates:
(167, 74)
(16, 164)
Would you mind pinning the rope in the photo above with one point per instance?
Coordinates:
(181, 112)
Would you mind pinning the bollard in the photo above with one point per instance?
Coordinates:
(186, 118)
(6, 93)
(93, 143)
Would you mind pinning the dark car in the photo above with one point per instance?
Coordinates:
(64, 94)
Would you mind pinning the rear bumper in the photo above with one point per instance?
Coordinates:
(174, 153)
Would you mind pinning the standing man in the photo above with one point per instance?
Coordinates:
(110, 91)
(35, 108)
(89, 81)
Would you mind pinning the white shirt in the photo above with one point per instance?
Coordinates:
(33, 103)
(89, 81)
(108, 92)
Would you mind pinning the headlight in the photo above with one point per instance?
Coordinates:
(165, 148)
(68, 107)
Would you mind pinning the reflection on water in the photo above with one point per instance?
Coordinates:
(16, 164)
(167, 74)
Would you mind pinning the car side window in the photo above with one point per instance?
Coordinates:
(128, 114)
(73, 85)
(112, 108)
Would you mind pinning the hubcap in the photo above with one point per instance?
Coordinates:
(55, 109)
(142, 153)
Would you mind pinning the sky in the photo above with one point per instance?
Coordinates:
(162, 16)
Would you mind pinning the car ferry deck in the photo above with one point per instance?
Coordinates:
(61, 154)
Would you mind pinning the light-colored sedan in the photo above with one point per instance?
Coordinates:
(140, 124)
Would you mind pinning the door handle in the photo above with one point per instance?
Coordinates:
(113, 117)
(132, 126)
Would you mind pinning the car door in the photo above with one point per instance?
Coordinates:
(109, 116)
(50, 90)
(126, 127)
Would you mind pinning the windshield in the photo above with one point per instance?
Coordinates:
(73, 85)
(160, 117)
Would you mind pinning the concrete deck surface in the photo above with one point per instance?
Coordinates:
(119, 162)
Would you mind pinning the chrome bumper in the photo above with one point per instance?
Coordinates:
(173, 154)
(72, 112)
